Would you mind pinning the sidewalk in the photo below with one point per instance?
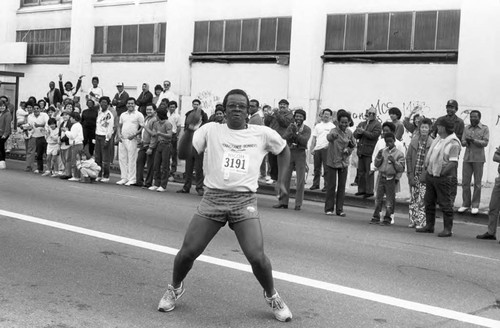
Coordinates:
(402, 198)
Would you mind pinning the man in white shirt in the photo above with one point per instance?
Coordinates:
(38, 121)
(175, 120)
(130, 126)
(167, 93)
(319, 146)
(75, 136)
(96, 92)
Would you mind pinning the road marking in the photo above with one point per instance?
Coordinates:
(477, 256)
(379, 298)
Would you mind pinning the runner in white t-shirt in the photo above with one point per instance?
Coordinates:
(234, 154)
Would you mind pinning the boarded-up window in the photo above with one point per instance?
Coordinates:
(146, 38)
(48, 42)
(232, 36)
(355, 32)
(377, 31)
(250, 35)
(335, 32)
(400, 31)
(215, 36)
(448, 30)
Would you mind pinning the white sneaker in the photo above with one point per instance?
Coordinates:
(3, 166)
(474, 211)
(36, 171)
(105, 180)
(153, 188)
(46, 173)
(270, 181)
(281, 311)
(129, 183)
(73, 179)
(392, 218)
(167, 302)
(161, 189)
(462, 209)
(122, 182)
(98, 179)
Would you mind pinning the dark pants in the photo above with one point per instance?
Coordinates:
(162, 164)
(194, 162)
(102, 154)
(438, 191)
(148, 160)
(2, 148)
(88, 136)
(320, 163)
(297, 163)
(494, 208)
(41, 149)
(75, 155)
(335, 196)
(387, 188)
(365, 178)
(173, 154)
(273, 164)
(468, 170)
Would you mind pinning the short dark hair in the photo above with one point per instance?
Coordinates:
(266, 106)
(219, 109)
(235, 92)
(173, 102)
(447, 123)
(52, 121)
(342, 113)
(158, 87)
(106, 98)
(196, 101)
(152, 105)
(427, 121)
(395, 111)
(131, 98)
(255, 101)
(475, 111)
(75, 116)
(327, 110)
(301, 112)
(2, 102)
(95, 78)
(389, 135)
(391, 126)
(162, 113)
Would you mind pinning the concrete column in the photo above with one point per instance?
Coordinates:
(306, 65)
(82, 41)
(179, 44)
(478, 73)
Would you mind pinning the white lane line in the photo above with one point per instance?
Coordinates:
(379, 298)
(477, 256)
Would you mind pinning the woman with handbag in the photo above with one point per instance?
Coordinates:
(415, 156)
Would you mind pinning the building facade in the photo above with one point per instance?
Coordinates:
(317, 54)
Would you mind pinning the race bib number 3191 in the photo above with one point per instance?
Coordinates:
(235, 162)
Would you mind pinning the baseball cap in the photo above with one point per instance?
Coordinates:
(120, 84)
(452, 103)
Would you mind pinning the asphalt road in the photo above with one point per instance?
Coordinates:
(331, 271)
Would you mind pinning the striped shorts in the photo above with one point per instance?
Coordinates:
(228, 206)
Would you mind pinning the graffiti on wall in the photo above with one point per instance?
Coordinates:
(208, 100)
(382, 107)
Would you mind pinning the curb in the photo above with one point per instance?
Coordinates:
(401, 207)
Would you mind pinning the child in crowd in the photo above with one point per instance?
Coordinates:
(87, 166)
(390, 162)
(53, 148)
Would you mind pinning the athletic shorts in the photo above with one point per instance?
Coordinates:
(53, 149)
(228, 206)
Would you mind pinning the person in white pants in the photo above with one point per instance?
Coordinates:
(129, 128)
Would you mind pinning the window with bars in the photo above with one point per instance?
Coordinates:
(250, 37)
(139, 39)
(26, 3)
(46, 43)
(401, 35)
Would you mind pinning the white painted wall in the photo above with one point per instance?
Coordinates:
(37, 77)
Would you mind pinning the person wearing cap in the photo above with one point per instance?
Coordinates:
(475, 138)
(120, 99)
(458, 123)
(367, 133)
(279, 120)
(440, 165)
(96, 92)
(296, 135)
(67, 89)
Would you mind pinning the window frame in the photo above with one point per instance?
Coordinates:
(252, 50)
(156, 55)
(43, 3)
(333, 53)
(53, 38)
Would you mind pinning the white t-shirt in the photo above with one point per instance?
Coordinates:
(43, 118)
(98, 93)
(130, 123)
(234, 156)
(175, 119)
(320, 131)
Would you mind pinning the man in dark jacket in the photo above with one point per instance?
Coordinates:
(120, 99)
(367, 133)
(54, 95)
(144, 99)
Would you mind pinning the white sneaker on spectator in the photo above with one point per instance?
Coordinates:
(105, 180)
(474, 211)
(462, 209)
(270, 181)
(46, 173)
(129, 183)
(161, 189)
(3, 166)
(122, 182)
(392, 218)
(36, 171)
(73, 179)
(153, 188)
